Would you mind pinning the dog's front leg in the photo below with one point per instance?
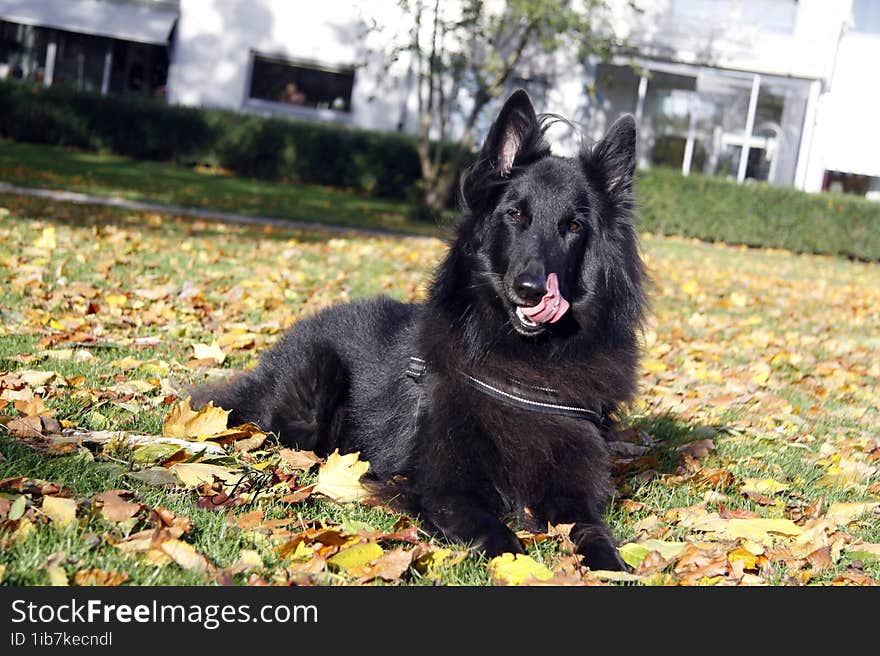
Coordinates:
(591, 536)
(461, 519)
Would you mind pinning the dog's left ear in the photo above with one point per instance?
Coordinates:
(615, 156)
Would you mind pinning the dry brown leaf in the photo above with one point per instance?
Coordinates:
(390, 566)
(249, 520)
(299, 460)
(99, 577)
(115, 508)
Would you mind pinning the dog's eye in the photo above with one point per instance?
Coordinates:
(573, 226)
(514, 215)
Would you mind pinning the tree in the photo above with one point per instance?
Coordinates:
(465, 53)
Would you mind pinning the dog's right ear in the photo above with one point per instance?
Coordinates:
(515, 138)
(514, 131)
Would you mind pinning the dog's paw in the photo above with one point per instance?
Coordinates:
(603, 555)
(499, 542)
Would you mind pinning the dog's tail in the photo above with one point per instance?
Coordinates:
(302, 407)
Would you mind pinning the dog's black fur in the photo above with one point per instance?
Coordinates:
(469, 461)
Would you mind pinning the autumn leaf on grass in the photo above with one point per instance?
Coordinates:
(209, 352)
(864, 551)
(299, 460)
(844, 513)
(339, 477)
(761, 529)
(762, 486)
(36, 378)
(57, 575)
(59, 509)
(185, 555)
(193, 474)
(116, 509)
(390, 566)
(516, 569)
(99, 577)
(248, 561)
(356, 556)
(33, 408)
(432, 564)
(633, 553)
(183, 422)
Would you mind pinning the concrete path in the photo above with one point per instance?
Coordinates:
(198, 212)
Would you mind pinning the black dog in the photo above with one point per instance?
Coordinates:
(495, 397)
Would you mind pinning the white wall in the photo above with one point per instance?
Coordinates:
(215, 39)
(723, 34)
(847, 127)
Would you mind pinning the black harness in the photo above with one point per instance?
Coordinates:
(510, 393)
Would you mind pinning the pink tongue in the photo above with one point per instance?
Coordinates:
(551, 307)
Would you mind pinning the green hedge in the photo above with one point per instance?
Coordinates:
(384, 164)
(716, 209)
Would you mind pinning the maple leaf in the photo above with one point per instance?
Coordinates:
(339, 477)
(183, 422)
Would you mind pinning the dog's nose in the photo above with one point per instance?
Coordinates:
(529, 287)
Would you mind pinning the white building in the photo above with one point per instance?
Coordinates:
(776, 90)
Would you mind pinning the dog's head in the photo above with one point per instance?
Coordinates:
(552, 237)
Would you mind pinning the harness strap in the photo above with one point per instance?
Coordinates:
(417, 367)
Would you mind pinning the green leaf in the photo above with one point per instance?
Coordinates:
(154, 476)
(16, 510)
(633, 553)
(155, 452)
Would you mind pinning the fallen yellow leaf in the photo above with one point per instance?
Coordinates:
(762, 485)
(185, 555)
(510, 569)
(339, 477)
(192, 474)
(59, 509)
(183, 422)
(355, 556)
(209, 352)
(844, 513)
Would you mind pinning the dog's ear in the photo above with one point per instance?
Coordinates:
(615, 157)
(515, 138)
(514, 131)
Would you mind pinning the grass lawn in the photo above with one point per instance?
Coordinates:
(54, 167)
(751, 457)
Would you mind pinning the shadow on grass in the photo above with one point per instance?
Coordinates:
(663, 455)
(84, 215)
(106, 175)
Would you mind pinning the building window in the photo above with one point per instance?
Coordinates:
(84, 62)
(300, 84)
(22, 51)
(695, 118)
